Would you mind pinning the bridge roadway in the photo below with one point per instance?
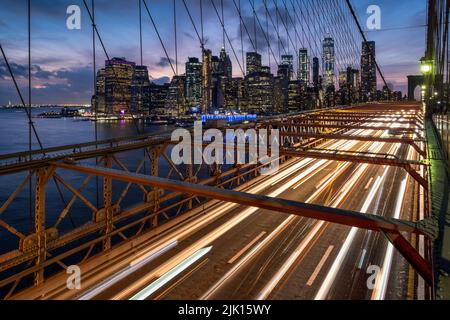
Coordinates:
(232, 252)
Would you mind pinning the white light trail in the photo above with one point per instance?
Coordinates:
(381, 283)
(160, 282)
(135, 265)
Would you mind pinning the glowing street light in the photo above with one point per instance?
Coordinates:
(426, 66)
(425, 69)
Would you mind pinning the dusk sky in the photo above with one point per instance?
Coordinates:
(62, 58)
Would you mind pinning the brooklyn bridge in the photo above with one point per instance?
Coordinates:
(357, 207)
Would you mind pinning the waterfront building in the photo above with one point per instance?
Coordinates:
(118, 78)
(140, 90)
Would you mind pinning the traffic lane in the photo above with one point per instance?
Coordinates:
(129, 279)
(326, 248)
(244, 286)
(270, 268)
(344, 270)
(222, 255)
(304, 280)
(268, 220)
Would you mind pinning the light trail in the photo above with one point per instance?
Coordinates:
(188, 229)
(313, 166)
(381, 283)
(331, 276)
(135, 265)
(264, 294)
(248, 246)
(160, 282)
(209, 238)
(319, 267)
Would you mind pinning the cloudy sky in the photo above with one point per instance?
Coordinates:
(62, 59)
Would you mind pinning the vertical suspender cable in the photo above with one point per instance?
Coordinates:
(140, 31)
(268, 35)
(242, 39)
(175, 35)
(94, 64)
(278, 32)
(201, 24)
(176, 54)
(254, 26)
(30, 185)
(223, 19)
(142, 63)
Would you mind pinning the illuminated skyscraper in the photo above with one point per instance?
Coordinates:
(328, 61)
(259, 91)
(253, 62)
(368, 71)
(118, 78)
(98, 100)
(343, 79)
(303, 66)
(225, 66)
(140, 90)
(158, 96)
(175, 102)
(206, 81)
(287, 62)
(315, 71)
(194, 82)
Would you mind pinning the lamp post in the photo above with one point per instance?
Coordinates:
(426, 68)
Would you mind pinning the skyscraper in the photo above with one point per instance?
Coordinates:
(175, 102)
(158, 96)
(98, 100)
(259, 90)
(194, 82)
(287, 62)
(315, 71)
(303, 66)
(140, 90)
(343, 79)
(368, 71)
(225, 66)
(206, 81)
(328, 61)
(118, 78)
(253, 62)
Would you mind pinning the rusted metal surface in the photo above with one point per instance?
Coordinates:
(304, 135)
(422, 266)
(344, 217)
(385, 160)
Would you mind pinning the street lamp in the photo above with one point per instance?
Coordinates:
(426, 66)
(427, 70)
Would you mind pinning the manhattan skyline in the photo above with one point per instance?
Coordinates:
(62, 58)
